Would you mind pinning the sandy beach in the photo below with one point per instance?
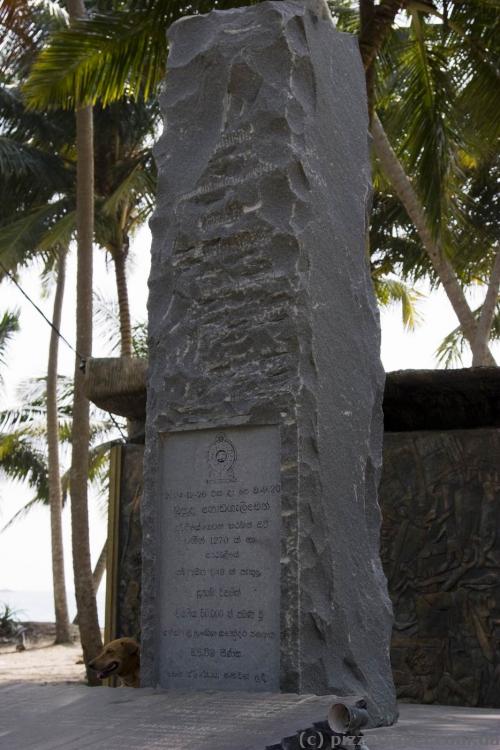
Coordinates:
(42, 662)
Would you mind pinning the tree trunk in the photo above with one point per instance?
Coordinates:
(119, 260)
(376, 22)
(398, 178)
(90, 633)
(480, 357)
(366, 17)
(63, 634)
(99, 570)
(100, 566)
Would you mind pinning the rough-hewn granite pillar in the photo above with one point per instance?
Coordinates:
(261, 565)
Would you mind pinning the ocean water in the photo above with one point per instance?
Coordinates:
(38, 606)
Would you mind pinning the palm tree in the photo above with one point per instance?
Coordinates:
(126, 181)
(423, 86)
(63, 634)
(125, 184)
(37, 186)
(24, 431)
(21, 460)
(100, 59)
(44, 220)
(32, 178)
(476, 334)
(85, 595)
(88, 621)
(413, 87)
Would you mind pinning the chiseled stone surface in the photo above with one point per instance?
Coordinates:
(261, 312)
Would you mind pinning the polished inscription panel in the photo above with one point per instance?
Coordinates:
(220, 547)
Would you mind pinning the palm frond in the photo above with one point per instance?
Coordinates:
(396, 248)
(390, 291)
(110, 55)
(453, 347)
(108, 321)
(421, 118)
(102, 59)
(19, 30)
(135, 186)
(31, 416)
(31, 395)
(23, 441)
(34, 163)
(23, 26)
(98, 468)
(23, 512)
(20, 159)
(140, 340)
(9, 324)
(345, 15)
(21, 461)
(26, 237)
(25, 416)
(34, 127)
(60, 233)
(53, 10)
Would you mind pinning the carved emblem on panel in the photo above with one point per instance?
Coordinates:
(221, 458)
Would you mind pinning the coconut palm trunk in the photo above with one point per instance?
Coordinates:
(99, 570)
(376, 22)
(119, 260)
(88, 622)
(480, 355)
(398, 178)
(100, 566)
(63, 634)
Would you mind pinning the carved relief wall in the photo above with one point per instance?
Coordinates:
(440, 498)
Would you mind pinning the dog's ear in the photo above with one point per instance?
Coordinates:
(130, 646)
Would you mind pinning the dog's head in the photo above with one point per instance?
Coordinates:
(120, 657)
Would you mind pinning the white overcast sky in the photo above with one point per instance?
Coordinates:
(24, 548)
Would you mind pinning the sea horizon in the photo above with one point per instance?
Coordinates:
(38, 606)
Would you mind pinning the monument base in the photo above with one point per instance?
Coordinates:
(77, 717)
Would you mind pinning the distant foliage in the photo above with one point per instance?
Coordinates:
(9, 622)
(107, 321)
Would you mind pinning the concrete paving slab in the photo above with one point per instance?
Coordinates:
(71, 717)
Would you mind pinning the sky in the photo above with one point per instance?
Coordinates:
(25, 547)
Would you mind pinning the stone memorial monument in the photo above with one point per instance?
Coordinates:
(261, 568)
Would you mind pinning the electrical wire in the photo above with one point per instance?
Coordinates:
(38, 309)
(83, 360)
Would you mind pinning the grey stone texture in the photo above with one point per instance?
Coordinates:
(75, 717)
(261, 312)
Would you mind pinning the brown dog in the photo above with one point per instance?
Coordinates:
(121, 658)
